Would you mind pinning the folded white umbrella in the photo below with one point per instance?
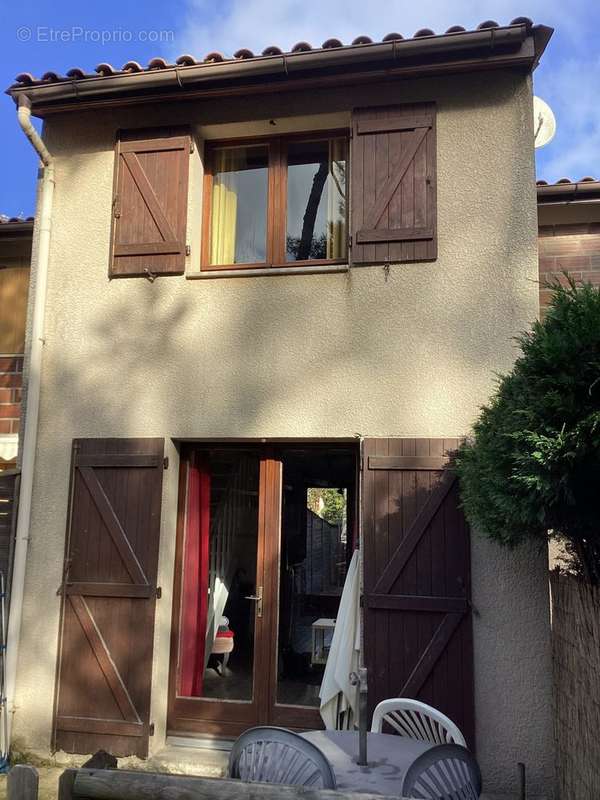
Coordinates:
(337, 694)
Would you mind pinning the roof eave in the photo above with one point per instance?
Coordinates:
(576, 192)
(514, 45)
(16, 230)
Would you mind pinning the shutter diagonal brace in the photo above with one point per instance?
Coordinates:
(431, 654)
(397, 170)
(402, 553)
(104, 659)
(149, 197)
(113, 526)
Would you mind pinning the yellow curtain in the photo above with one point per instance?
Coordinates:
(336, 200)
(224, 209)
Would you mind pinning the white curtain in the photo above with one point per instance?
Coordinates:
(216, 605)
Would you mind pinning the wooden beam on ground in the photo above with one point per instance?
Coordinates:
(129, 785)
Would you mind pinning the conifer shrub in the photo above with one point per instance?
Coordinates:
(532, 468)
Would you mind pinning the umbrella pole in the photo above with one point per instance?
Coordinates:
(361, 678)
(362, 718)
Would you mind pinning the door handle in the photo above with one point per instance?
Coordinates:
(258, 599)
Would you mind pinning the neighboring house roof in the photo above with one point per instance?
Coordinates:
(565, 190)
(15, 227)
(490, 45)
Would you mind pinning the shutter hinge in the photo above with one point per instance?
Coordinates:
(166, 462)
(361, 463)
(191, 146)
(116, 207)
(350, 240)
(188, 250)
(151, 729)
(158, 592)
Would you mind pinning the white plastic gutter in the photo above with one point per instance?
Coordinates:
(43, 223)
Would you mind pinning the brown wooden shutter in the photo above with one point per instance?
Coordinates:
(150, 203)
(393, 198)
(109, 597)
(418, 633)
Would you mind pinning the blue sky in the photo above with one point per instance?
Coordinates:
(30, 34)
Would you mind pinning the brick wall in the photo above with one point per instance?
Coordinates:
(574, 248)
(11, 378)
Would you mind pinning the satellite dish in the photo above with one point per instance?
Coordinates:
(544, 122)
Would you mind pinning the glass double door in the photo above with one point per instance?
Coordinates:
(265, 538)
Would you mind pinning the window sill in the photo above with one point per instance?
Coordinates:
(322, 269)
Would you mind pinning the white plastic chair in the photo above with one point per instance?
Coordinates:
(447, 772)
(276, 755)
(416, 720)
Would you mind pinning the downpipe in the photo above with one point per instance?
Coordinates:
(28, 450)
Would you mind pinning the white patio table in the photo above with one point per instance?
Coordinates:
(389, 758)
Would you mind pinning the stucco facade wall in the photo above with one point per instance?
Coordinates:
(412, 352)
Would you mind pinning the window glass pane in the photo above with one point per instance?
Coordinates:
(316, 200)
(316, 548)
(239, 205)
(216, 658)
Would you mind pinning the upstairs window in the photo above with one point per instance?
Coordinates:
(276, 202)
(281, 201)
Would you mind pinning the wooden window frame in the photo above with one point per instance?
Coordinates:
(276, 199)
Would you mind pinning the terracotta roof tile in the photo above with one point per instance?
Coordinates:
(272, 50)
(132, 66)
(52, 76)
(158, 63)
(568, 181)
(188, 61)
(243, 53)
(105, 70)
(4, 220)
(25, 78)
(77, 73)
